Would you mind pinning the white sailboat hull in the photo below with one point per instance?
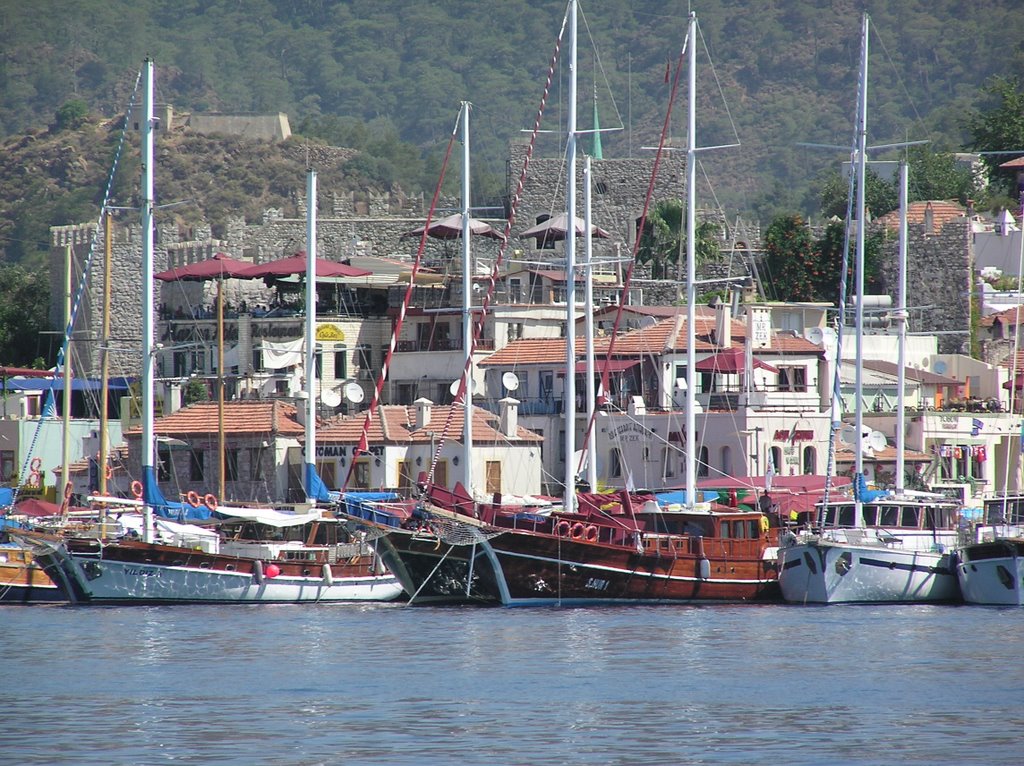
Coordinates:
(93, 580)
(820, 572)
(992, 573)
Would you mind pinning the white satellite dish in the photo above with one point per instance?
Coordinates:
(877, 441)
(510, 381)
(354, 392)
(453, 389)
(330, 398)
(847, 434)
(815, 336)
(829, 335)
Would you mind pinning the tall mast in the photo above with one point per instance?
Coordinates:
(467, 308)
(569, 395)
(588, 324)
(148, 437)
(310, 335)
(862, 134)
(691, 252)
(901, 318)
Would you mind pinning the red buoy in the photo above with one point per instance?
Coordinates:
(272, 570)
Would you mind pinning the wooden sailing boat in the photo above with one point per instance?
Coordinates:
(323, 567)
(874, 547)
(597, 548)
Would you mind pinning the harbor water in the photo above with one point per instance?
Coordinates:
(391, 684)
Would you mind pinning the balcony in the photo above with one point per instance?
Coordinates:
(442, 344)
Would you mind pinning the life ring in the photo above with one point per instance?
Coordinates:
(577, 530)
(137, 489)
(36, 464)
(110, 471)
(590, 533)
(210, 501)
(67, 491)
(192, 498)
(562, 528)
(764, 524)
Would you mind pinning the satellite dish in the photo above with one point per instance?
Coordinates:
(877, 441)
(829, 335)
(939, 368)
(648, 321)
(453, 389)
(847, 435)
(478, 388)
(330, 398)
(815, 336)
(353, 392)
(510, 381)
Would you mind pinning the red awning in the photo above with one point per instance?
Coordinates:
(730, 362)
(615, 365)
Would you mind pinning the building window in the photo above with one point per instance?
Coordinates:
(256, 464)
(163, 464)
(405, 477)
(340, 365)
(364, 357)
(7, 465)
(776, 455)
(515, 290)
(195, 466)
(545, 243)
(810, 460)
(793, 379)
(231, 465)
(441, 474)
(493, 477)
(727, 460)
(668, 455)
(318, 365)
(703, 468)
(361, 475)
(615, 463)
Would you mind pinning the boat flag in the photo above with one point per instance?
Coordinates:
(769, 474)
(1022, 436)
(976, 426)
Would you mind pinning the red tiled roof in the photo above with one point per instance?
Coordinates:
(1008, 317)
(1015, 163)
(395, 424)
(943, 211)
(243, 417)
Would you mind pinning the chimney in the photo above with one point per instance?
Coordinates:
(929, 219)
(300, 407)
(509, 416)
(723, 324)
(422, 406)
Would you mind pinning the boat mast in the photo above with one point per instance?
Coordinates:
(310, 451)
(104, 456)
(588, 323)
(65, 473)
(467, 307)
(569, 395)
(148, 437)
(901, 318)
(862, 132)
(691, 287)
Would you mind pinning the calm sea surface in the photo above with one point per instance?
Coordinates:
(389, 684)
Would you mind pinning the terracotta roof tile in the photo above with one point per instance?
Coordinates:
(263, 416)
(1008, 317)
(395, 424)
(943, 211)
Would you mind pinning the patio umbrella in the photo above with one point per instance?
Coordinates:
(729, 362)
(295, 265)
(451, 228)
(555, 228)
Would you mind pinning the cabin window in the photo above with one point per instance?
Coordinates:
(231, 465)
(739, 530)
(870, 513)
(908, 518)
(793, 379)
(196, 466)
(890, 516)
(723, 529)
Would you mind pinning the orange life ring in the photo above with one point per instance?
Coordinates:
(137, 489)
(110, 471)
(67, 490)
(210, 501)
(192, 498)
(36, 464)
(562, 528)
(590, 533)
(577, 530)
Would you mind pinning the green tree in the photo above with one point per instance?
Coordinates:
(938, 175)
(662, 242)
(881, 196)
(24, 314)
(195, 392)
(999, 128)
(791, 259)
(72, 114)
